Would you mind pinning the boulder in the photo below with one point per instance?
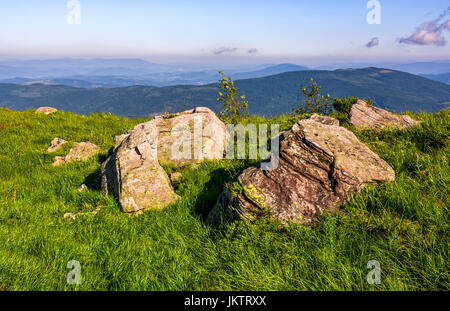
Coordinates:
(133, 173)
(46, 110)
(56, 144)
(320, 166)
(363, 116)
(190, 136)
(78, 152)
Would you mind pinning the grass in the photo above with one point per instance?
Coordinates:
(404, 225)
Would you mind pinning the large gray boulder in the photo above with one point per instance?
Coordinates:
(364, 116)
(321, 165)
(133, 173)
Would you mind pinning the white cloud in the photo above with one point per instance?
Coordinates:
(430, 32)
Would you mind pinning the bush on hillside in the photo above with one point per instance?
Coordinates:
(234, 106)
(342, 108)
(343, 105)
(314, 101)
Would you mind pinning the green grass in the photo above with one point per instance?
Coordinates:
(404, 225)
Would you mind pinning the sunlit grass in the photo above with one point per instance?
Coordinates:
(404, 225)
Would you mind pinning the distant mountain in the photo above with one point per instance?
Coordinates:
(418, 68)
(66, 67)
(113, 81)
(100, 75)
(444, 78)
(424, 68)
(269, 71)
(77, 63)
(271, 95)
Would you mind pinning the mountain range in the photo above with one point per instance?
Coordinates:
(120, 73)
(112, 73)
(271, 95)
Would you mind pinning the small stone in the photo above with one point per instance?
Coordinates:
(46, 110)
(175, 178)
(82, 188)
(56, 144)
(70, 216)
(59, 161)
(78, 152)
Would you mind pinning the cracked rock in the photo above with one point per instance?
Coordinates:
(133, 173)
(320, 166)
(363, 116)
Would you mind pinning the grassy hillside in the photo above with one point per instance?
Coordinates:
(403, 225)
(267, 96)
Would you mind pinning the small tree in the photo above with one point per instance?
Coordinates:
(234, 106)
(314, 102)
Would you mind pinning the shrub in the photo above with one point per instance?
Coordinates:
(343, 105)
(314, 102)
(234, 106)
(369, 102)
(342, 108)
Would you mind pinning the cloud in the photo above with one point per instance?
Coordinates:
(252, 51)
(223, 49)
(374, 42)
(430, 32)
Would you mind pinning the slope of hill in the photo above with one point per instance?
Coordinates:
(403, 225)
(271, 95)
(444, 77)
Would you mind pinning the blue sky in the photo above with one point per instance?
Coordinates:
(219, 31)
